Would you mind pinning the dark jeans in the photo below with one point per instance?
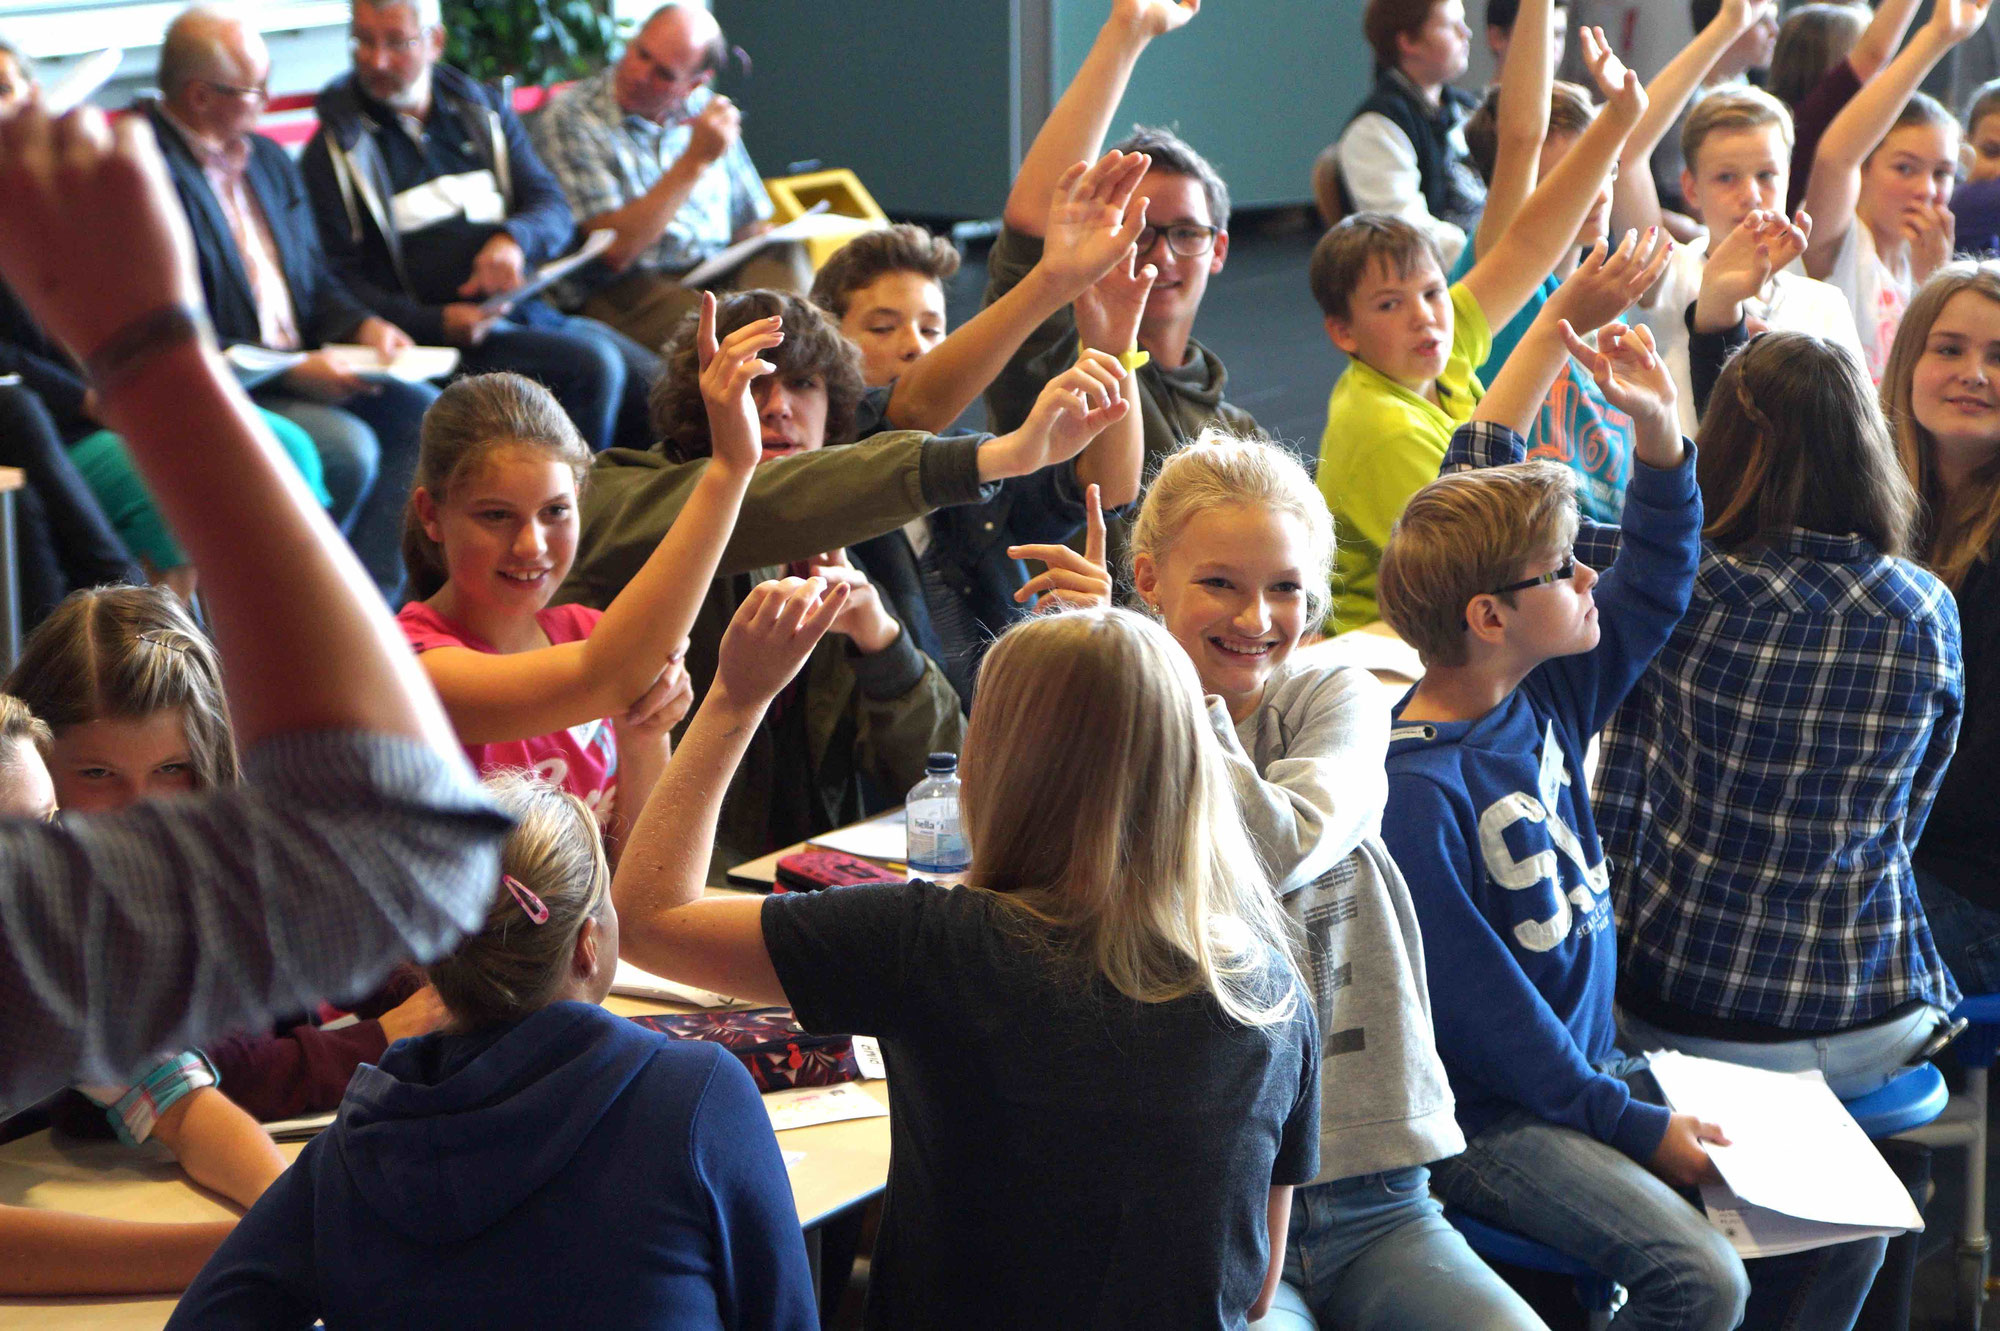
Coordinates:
(1967, 935)
(63, 539)
(601, 377)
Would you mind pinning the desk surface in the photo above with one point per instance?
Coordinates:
(845, 1164)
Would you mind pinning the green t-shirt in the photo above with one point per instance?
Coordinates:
(1382, 444)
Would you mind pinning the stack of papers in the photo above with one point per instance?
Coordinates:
(552, 272)
(413, 366)
(299, 1129)
(635, 983)
(802, 227)
(810, 1106)
(884, 839)
(1799, 1172)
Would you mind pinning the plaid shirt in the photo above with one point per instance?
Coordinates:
(1762, 785)
(153, 927)
(604, 159)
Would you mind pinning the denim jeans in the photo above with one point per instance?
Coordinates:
(1854, 1062)
(1574, 1193)
(1375, 1253)
(600, 376)
(1967, 935)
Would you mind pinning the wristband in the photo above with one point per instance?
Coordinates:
(1131, 360)
(134, 1110)
(128, 349)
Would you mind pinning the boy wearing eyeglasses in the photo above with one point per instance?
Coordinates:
(1181, 383)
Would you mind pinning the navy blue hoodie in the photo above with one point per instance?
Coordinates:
(1490, 822)
(573, 1169)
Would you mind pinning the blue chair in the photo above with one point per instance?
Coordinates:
(1906, 1103)
(1599, 1294)
(1964, 1124)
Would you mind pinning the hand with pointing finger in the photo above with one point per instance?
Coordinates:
(1071, 581)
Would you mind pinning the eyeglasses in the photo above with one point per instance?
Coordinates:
(389, 46)
(260, 92)
(1187, 240)
(1567, 569)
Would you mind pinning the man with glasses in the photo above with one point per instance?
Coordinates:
(267, 282)
(1185, 241)
(430, 199)
(648, 150)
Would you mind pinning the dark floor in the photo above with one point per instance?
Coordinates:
(1259, 317)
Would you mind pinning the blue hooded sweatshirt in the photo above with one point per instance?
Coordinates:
(1490, 822)
(573, 1169)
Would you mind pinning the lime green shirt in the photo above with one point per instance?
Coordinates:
(1384, 443)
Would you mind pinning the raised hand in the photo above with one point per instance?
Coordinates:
(1092, 221)
(1071, 581)
(727, 371)
(1633, 377)
(864, 620)
(1623, 94)
(1074, 407)
(1108, 312)
(1606, 283)
(1958, 19)
(1153, 18)
(1743, 15)
(1763, 244)
(772, 633)
(664, 703)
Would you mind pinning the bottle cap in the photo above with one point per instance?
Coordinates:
(941, 762)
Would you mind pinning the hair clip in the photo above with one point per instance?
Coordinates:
(530, 903)
(171, 641)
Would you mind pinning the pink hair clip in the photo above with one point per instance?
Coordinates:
(530, 903)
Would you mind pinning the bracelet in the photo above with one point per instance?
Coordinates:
(128, 349)
(1131, 360)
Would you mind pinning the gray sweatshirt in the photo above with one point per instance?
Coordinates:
(1308, 770)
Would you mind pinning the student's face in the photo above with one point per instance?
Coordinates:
(664, 63)
(1597, 222)
(508, 529)
(15, 85)
(392, 52)
(1558, 618)
(1915, 166)
(894, 319)
(1737, 172)
(1497, 39)
(102, 766)
(1232, 591)
(1439, 51)
(1399, 323)
(26, 791)
(1985, 144)
(791, 409)
(1172, 201)
(1955, 389)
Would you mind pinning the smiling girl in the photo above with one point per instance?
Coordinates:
(490, 534)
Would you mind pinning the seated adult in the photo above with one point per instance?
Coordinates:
(357, 837)
(267, 282)
(646, 149)
(1403, 151)
(430, 198)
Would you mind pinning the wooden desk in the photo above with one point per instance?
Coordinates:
(845, 1164)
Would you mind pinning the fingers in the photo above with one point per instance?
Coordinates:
(1068, 184)
(1710, 1132)
(1074, 588)
(1093, 526)
(1135, 222)
(1057, 557)
(704, 333)
(1582, 350)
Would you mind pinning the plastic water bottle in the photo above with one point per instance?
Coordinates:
(938, 851)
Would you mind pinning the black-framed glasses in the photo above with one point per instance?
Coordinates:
(1185, 239)
(257, 91)
(1565, 570)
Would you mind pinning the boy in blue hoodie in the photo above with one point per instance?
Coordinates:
(1527, 653)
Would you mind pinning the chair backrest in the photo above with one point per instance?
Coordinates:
(1327, 193)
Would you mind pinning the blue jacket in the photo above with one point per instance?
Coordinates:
(1490, 822)
(573, 1169)
(326, 310)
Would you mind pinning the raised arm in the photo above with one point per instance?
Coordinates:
(1636, 201)
(1075, 129)
(1882, 37)
(516, 695)
(1504, 277)
(1089, 224)
(1522, 122)
(1835, 187)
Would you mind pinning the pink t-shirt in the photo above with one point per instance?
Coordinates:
(583, 759)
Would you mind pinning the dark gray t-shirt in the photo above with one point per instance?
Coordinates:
(1063, 1156)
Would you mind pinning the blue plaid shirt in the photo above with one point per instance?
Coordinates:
(1761, 787)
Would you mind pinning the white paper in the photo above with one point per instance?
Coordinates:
(1794, 1149)
(884, 839)
(75, 87)
(301, 1128)
(252, 359)
(1755, 1231)
(551, 272)
(413, 366)
(801, 227)
(868, 1057)
(635, 983)
(809, 1106)
(792, 1157)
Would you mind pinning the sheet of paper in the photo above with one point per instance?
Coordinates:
(1793, 1148)
(809, 1106)
(799, 228)
(884, 839)
(413, 366)
(299, 1129)
(635, 983)
(868, 1057)
(792, 1157)
(1755, 1231)
(551, 272)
